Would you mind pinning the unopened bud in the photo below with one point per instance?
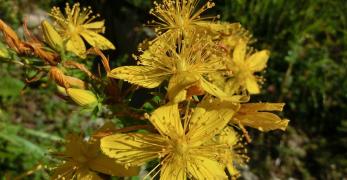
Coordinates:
(58, 76)
(62, 90)
(3, 51)
(52, 37)
(82, 97)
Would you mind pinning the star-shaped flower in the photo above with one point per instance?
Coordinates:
(83, 160)
(176, 17)
(185, 149)
(77, 23)
(184, 64)
(243, 67)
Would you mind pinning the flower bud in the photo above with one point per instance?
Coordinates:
(52, 37)
(4, 52)
(58, 76)
(82, 97)
(62, 90)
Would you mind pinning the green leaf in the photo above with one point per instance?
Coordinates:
(10, 87)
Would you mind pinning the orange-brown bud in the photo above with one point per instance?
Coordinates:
(58, 76)
(11, 38)
(65, 81)
(75, 82)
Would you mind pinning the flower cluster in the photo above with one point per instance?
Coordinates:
(210, 75)
(206, 68)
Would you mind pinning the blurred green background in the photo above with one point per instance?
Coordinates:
(307, 70)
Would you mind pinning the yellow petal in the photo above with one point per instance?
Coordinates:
(209, 118)
(172, 170)
(240, 53)
(231, 86)
(232, 170)
(248, 115)
(107, 129)
(166, 119)
(63, 171)
(85, 174)
(74, 145)
(133, 149)
(106, 165)
(203, 168)
(252, 85)
(95, 25)
(96, 40)
(258, 60)
(217, 78)
(254, 107)
(263, 121)
(215, 91)
(76, 45)
(178, 83)
(140, 75)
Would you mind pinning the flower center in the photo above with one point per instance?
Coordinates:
(182, 23)
(73, 29)
(181, 65)
(181, 147)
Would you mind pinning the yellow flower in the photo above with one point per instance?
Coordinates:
(175, 17)
(83, 160)
(82, 97)
(251, 114)
(186, 150)
(184, 65)
(236, 154)
(78, 22)
(243, 67)
(227, 34)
